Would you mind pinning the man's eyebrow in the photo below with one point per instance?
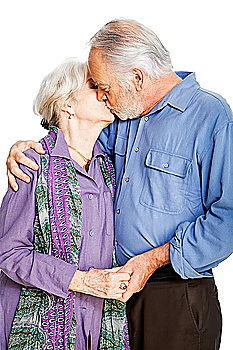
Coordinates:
(103, 85)
(97, 83)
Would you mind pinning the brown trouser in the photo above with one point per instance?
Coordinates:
(175, 314)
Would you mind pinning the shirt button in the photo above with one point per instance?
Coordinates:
(91, 233)
(90, 196)
(136, 149)
(115, 243)
(146, 119)
(127, 179)
(118, 211)
(91, 268)
(166, 165)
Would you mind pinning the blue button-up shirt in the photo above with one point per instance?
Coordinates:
(175, 180)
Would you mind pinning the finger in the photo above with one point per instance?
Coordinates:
(96, 294)
(114, 269)
(26, 145)
(131, 289)
(112, 289)
(122, 290)
(16, 171)
(122, 276)
(109, 295)
(127, 269)
(126, 296)
(120, 299)
(37, 146)
(12, 181)
(114, 296)
(23, 159)
(117, 296)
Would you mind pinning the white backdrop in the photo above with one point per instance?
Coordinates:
(38, 35)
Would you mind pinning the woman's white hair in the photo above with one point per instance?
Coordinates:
(128, 44)
(57, 88)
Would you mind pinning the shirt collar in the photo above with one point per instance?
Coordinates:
(180, 95)
(61, 149)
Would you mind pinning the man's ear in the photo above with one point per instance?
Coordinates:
(137, 78)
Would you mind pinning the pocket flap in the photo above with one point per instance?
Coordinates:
(168, 163)
(120, 146)
(111, 141)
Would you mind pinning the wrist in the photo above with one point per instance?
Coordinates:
(164, 254)
(77, 282)
(158, 257)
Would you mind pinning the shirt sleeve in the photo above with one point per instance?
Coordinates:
(201, 245)
(18, 259)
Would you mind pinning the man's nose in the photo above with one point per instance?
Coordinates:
(101, 95)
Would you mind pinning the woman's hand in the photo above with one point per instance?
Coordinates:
(16, 156)
(101, 283)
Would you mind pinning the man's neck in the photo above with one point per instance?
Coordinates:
(157, 89)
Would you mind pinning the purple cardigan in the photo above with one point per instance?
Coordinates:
(22, 265)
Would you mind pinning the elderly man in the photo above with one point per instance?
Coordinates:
(173, 153)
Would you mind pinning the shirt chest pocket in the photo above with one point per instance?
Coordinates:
(165, 181)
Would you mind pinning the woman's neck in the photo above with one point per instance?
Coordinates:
(82, 135)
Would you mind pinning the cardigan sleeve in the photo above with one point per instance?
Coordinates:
(18, 259)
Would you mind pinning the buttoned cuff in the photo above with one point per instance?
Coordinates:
(178, 261)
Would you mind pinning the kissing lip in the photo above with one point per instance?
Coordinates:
(109, 108)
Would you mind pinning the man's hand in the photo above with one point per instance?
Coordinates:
(100, 283)
(142, 266)
(16, 156)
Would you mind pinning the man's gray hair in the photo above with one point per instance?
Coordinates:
(128, 44)
(57, 88)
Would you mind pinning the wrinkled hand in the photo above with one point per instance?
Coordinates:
(100, 283)
(16, 156)
(142, 266)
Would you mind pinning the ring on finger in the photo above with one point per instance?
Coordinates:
(123, 285)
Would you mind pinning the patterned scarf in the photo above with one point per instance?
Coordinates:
(42, 320)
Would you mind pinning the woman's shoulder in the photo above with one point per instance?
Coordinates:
(25, 190)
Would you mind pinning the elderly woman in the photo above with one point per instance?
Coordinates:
(57, 234)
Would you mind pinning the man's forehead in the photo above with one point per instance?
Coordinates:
(100, 69)
(100, 76)
(96, 54)
(96, 60)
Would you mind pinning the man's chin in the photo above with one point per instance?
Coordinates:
(126, 117)
(121, 116)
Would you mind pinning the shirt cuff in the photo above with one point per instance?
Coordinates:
(68, 275)
(62, 275)
(178, 261)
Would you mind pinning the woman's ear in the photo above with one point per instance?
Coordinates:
(67, 108)
(137, 78)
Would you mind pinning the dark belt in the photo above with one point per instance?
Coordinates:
(166, 272)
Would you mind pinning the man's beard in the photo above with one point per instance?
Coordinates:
(129, 106)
